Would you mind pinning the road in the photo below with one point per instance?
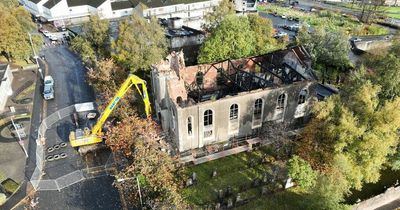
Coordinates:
(278, 21)
(70, 88)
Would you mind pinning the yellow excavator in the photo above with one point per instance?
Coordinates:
(85, 137)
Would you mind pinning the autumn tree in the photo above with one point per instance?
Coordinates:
(140, 43)
(148, 166)
(83, 47)
(329, 50)
(237, 37)
(16, 24)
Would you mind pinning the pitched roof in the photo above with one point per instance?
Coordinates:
(117, 5)
(93, 3)
(35, 1)
(163, 3)
(51, 3)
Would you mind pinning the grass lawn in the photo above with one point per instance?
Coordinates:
(332, 21)
(393, 12)
(237, 172)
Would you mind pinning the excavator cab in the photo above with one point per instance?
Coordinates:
(86, 136)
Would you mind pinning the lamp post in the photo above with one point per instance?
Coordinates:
(35, 56)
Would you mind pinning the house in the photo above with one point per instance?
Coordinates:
(6, 77)
(245, 6)
(215, 103)
(180, 37)
(69, 12)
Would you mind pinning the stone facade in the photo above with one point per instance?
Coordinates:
(216, 118)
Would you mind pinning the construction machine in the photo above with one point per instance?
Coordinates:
(86, 136)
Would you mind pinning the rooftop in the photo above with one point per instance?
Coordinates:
(194, 84)
(3, 68)
(118, 5)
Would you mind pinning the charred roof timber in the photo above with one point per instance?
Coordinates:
(194, 84)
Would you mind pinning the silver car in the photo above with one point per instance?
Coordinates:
(48, 90)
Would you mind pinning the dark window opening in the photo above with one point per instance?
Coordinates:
(281, 101)
(208, 118)
(234, 112)
(257, 109)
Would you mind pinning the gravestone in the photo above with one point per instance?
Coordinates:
(189, 182)
(289, 183)
(194, 177)
(265, 178)
(214, 173)
(229, 203)
(217, 206)
(238, 198)
(220, 194)
(264, 190)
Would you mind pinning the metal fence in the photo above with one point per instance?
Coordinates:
(69, 179)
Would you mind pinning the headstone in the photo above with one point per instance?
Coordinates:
(238, 198)
(229, 203)
(264, 190)
(220, 194)
(217, 206)
(194, 176)
(289, 183)
(189, 182)
(214, 173)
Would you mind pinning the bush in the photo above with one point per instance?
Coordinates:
(2, 198)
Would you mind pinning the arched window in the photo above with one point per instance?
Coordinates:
(302, 96)
(281, 101)
(234, 112)
(208, 117)
(257, 109)
(190, 126)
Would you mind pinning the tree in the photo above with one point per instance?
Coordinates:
(264, 35)
(97, 32)
(139, 44)
(214, 18)
(16, 24)
(353, 134)
(301, 172)
(327, 49)
(371, 8)
(137, 140)
(83, 47)
(238, 37)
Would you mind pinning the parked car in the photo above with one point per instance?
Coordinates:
(48, 90)
(283, 16)
(53, 38)
(280, 34)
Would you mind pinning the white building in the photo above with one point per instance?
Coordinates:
(6, 78)
(74, 11)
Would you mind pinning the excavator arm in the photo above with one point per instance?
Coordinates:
(95, 136)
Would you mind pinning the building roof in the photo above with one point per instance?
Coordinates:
(163, 3)
(93, 3)
(51, 3)
(35, 1)
(117, 5)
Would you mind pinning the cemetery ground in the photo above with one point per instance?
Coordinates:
(240, 179)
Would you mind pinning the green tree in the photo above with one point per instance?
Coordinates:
(82, 46)
(214, 18)
(97, 32)
(238, 37)
(301, 172)
(264, 35)
(328, 49)
(140, 43)
(232, 39)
